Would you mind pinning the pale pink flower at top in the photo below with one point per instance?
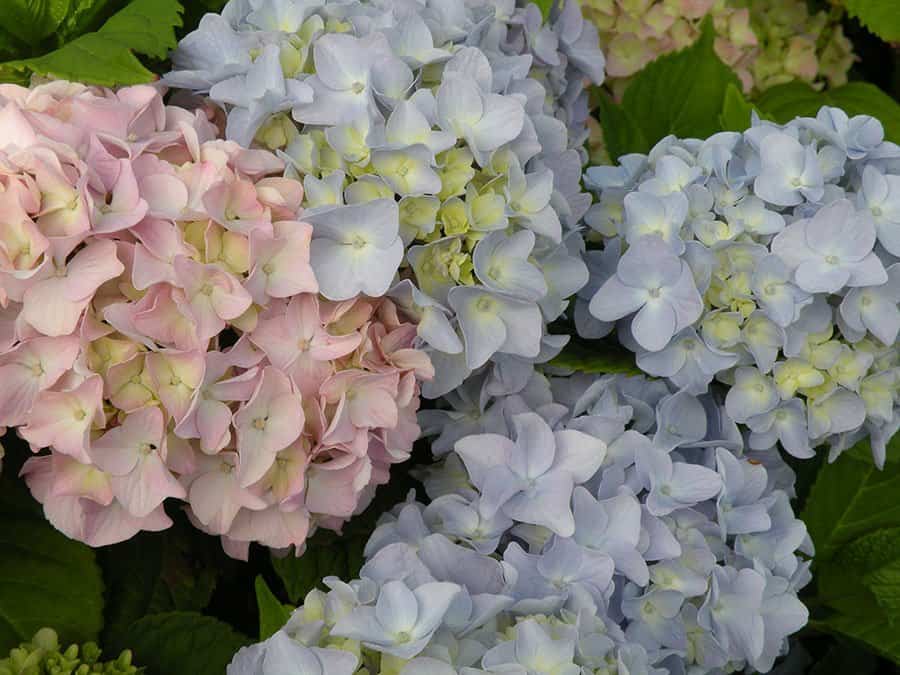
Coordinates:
(16, 132)
(785, 41)
(162, 337)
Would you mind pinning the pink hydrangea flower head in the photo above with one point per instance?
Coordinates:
(162, 337)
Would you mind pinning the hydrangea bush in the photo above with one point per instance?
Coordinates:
(442, 139)
(162, 336)
(766, 42)
(622, 527)
(768, 261)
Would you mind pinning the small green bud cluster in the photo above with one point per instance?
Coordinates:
(44, 655)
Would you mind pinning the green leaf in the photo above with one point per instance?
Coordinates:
(545, 6)
(83, 17)
(46, 579)
(621, 132)
(881, 17)
(596, 357)
(885, 586)
(184, 643)
(873, 630)
(107, 56)
(849, 499)
(846, 656)
(189, 571)
(736, 110)
(131, 570)
(793, 99)
(272, 614)
(33, 19)
(875, 561)
(870, 557)
(326, 554)
(680, 93)
(145, 26)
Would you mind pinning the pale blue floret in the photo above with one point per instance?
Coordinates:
(212, 53)
(653, 282)
(258, 94)
(531, 479)
(688, 362)
(856, 136)
(880, 194)
(495, 322)
(281, 655)
(789, 172)
(402, 621)
(741, 506)
(355, 249)
(831, 250)
(786, 425)
(874, 308)
(733, 609)
(501, 264)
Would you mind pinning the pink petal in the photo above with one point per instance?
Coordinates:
(272, 527)
(71, 478)
(92, 266)
(147, 486)
(176, 376)
(48, 310)
(30, 368)
(120, 450)
(63, 419)
(15, 130)
(166, 195)
(336, 493)
(213, 425)
(107, 525)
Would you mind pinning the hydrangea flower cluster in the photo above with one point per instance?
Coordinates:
(767, 260)
(594, 525)
(161, 334)
(43, 654)
(442, 138)
(766, 42)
